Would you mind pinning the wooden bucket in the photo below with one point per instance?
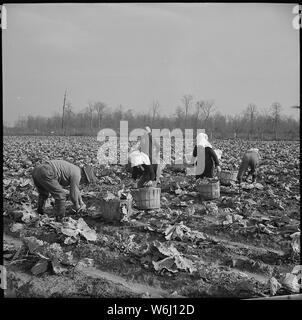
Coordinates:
(147, 198)
(226, 177)
(209, 191)
(112, 209)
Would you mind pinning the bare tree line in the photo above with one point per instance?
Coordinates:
(251, 123)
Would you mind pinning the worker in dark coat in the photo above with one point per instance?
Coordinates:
(249, 163)
(50, 178)
(142, 169)
(204, 158)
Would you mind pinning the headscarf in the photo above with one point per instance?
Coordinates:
(254, 150)
(202, 140)
(138, 158)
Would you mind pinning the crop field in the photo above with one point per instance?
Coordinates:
(244, 244)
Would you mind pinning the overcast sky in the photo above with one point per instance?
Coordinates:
(131, 54)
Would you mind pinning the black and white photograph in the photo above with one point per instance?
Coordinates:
(151, 151)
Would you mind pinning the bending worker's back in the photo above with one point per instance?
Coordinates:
(250, 160)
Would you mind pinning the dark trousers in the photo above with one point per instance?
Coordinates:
(154, 167)
(145, 175)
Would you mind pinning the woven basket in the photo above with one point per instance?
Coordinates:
(209, 191)
(226, 177)
(112, 209)
(147, 198)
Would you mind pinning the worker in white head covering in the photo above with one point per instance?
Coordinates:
(141, 168)
(249, 164)
(253, 150)
(204, 158)
(203, 140)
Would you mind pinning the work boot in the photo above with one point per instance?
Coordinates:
(59, 209)
(41, 204)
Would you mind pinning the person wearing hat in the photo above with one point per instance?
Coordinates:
(141, 168)
(204, 158)
(250, 160)
(50, 178)
(152, 150)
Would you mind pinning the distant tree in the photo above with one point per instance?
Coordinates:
(155, 110)
(236, 123)
(218, 125)
(117, 116)
(180, 115)
(56, 121)
(206, 108)
(187, 102)
(129, 116)
(68, 109)
(68, 115)
(197, 114)
(31, 123)
(251, 112)
(21, 122)
(63, 111)
(89, 111)
(263, 122)
(99, 107)
(291, 127)
(275, 111)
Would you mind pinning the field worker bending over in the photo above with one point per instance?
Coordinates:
(250, 161)
(152, 150)
(50, 178)
(204, 158)
(141, 168)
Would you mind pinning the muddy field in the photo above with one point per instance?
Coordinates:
(244, 244)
